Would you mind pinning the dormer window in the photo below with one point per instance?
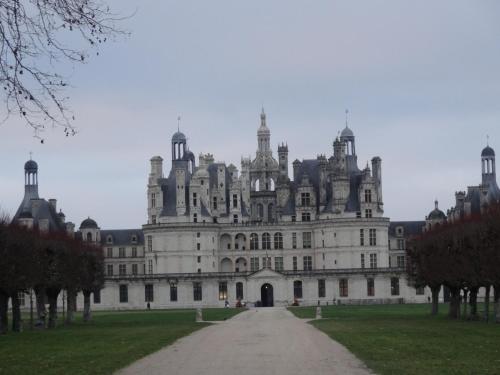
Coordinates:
(109, 239)
(134, 239)
(305, 199)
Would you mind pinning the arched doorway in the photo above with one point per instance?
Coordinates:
(266, 295)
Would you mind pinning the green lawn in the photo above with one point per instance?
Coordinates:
(212, 315)
(405, 339)
(111, 341)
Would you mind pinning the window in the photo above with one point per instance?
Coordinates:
(239, 290)
(401, 261)
(97, 296)
(198, 246)
(306, 216)
(109, 239)
(370, 287)
(362, 237)
(362, 260)
(123, 293)
(266, 262)
(150, 243)
(198, 234)
(150, 266)
(401, 244)
(21, 299)
(89, 237)
(373, 237)
(153, 200)
(195, 218)
(254, 241)
(222, 290)
(195, 200)
(278, 263)
(254, 264)
(294, 218)
(305, 199)
(420, 290)
(134, 269)
(197, 291)
(368, 196)
(278, 241)
(198, 260)
(343, 288)
(109, 269)
(307, 263)
(214, 205)
(148, 293)
(235, 219)
(294, 263)
(173, 292)
(394, 286)
(294, 240)
(368, 213)
(373, 260)
(358, 214)
(297, 289)
(121, 252)
(153, 219)
(134, 252)
(235, 200)
(109, 252)
(306, 240)
(122, 269)
(134, 239)
(321, 288)
(266, 241)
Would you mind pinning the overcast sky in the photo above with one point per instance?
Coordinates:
(421, 80)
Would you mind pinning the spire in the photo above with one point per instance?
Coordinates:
(178, 123)
(436, 204)
(263, 118)
(346, 118)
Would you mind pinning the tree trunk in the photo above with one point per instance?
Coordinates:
(86, 306)
(4, 319)
(473, 304)
(497, 303)
(52, 294)
(486, 314)
(16, 313)
(435, 299)
(466, 293)
(454, 308)
(41, 312)
(71, 298)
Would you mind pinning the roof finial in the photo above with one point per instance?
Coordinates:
(436, 204)
(487, 140)
(31, 155)
(178, 123)
(346, 118)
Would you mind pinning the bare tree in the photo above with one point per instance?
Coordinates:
(36, 38)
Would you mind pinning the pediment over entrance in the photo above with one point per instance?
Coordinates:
(266, 273)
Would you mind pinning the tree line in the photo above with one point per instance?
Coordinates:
(462, 256)
(45, 264)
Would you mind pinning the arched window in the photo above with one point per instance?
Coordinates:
(257, 185)
(89, 237)
(254, 241)
(266, 241)
(297, 289)
(278, 241)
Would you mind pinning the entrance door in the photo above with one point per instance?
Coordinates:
(266, 295)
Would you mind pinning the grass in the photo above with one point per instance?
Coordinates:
(111, 341)
(405, 339)
(212, 315)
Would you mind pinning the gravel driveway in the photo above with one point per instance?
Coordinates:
(259, 341)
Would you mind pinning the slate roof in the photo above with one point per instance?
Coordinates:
(410, 228)
(122, 237)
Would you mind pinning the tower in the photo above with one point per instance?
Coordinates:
(283, 160)
(488, 165)
(178, 146)
(263, 135)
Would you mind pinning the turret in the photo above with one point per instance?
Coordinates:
(283, 160)
(488, 165)
(377, 176)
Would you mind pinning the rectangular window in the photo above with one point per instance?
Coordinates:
(401, 261)
(370, 287)
(368, 213)
(153, 219)
(306, 240)
(148, 293)
(198, 246)
(173, 292)
(368, 196)
(214, 205)
(307, 263)
(401, 244)
(420, 291)
(197, 291)
(305, 199)
(150, 243)
(373, 260)
(294, 218)
(195, 218)
(321, 288)
(362, 237)
(153, 200)
(343, 288)
(195, 200)
(394, 286)
(235, 219)
(109, 252)
(362, 260)
(222, 290)
(373, 237)
(235, 201)
(122, 269)
(97, 296)
(121, 252)
(278, 263)
(150, 266)
(358, 214)
(294, 240)
(198, 259)
(254, 264)
(134, 269)
(123, 293)
(21, 299)
(306, 216)
(294, 263)
(239, 290)
(134, 252)
(109, 269)
(297, 289)
(266, 262)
